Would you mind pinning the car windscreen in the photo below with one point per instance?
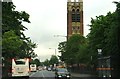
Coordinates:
(20, 62)
(62, 70)
(32, 66)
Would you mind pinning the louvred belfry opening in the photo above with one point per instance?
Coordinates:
(74, 17)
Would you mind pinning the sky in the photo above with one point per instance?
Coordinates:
(49, 18)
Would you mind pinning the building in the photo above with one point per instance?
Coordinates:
(74, 17)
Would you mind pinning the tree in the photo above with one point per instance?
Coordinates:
(11, 44)
(12, 21)
(46, 62)
(114, 38)
(62, 49)
(73, 48)
(104, 34)
(14, 42)
(36, 61)
(53, 60)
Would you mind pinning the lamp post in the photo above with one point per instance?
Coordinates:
(60, 36)
(99, 52)
(55, 51)
(100, 73)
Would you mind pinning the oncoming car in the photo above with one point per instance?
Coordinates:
(62, 73)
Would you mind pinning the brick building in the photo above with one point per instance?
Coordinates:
(74, 17)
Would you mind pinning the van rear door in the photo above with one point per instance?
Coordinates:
(20, 67)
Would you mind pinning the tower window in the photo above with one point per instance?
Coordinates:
(73, 17)
(77, 10)
(73, 10)
(76, 17)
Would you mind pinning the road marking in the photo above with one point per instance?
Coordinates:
(32, 74)
(43, 75)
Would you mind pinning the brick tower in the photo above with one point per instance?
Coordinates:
(74, 17)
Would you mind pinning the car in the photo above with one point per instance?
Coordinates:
(49, 68)
(62, 73)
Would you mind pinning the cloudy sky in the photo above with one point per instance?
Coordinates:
(49, 18)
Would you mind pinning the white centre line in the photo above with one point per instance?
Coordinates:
(32, 74)
(43, 75)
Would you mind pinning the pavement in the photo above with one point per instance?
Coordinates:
(81, 75)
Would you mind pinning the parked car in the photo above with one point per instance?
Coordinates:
(49, 69)
(62, 73)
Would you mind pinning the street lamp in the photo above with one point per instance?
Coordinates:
(99, 52)
(100, 64)
(54, 49)
(60, 36)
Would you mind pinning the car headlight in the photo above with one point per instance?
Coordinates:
(68, 76)
(59, 76)
(104, 76)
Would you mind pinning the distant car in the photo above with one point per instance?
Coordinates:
(40, 68)
(49, 69)
(53, 69)
(62, 73)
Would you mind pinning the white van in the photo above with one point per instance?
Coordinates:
(20, 68)
(33, 68)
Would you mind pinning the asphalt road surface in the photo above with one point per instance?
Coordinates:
(44, 74)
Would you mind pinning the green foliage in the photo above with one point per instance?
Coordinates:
(11, 44)
(62, 49)
(17, 41)
(74, 51)
(53, 60)
(104, 34)
(11, 41)
(115, 31)
(12, 20)
(36, 61)
(46, 62)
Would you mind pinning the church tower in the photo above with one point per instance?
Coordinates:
(74, 17)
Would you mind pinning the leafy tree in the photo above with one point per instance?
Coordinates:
(83, 56)
(73, 48)
(46, 62)
(12, 21)
(114, 38)
(36, 61)
(104, 34)
(53, 60)
(14, 42)
(11, 44)
(62, 50)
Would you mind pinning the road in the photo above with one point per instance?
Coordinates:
(44, 74)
